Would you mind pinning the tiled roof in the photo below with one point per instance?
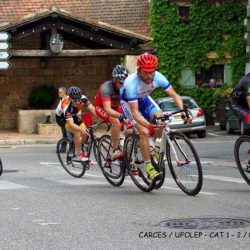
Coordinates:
(128, 14)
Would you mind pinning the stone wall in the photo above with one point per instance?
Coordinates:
(25, 73)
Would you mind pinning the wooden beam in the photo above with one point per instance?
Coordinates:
(72, 53)
(27, 32)
(92, 36)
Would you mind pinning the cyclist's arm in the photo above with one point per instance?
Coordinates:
(171, 92)
(111, 112)
(74, 127)
(137, 116)
(248, 101)
(91, 108)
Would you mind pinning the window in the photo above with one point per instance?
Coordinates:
(184, 13)
(213, 77)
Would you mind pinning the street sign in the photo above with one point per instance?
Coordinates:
(4, 36)
(4, 65)
(4, 55)
(4, 45)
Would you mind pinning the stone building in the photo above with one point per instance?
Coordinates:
(96, 35)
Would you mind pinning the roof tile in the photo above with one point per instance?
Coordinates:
(127, 14)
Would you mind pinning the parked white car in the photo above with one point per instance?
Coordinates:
(198, 125)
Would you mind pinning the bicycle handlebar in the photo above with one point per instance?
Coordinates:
(98, 124)
(166, 117)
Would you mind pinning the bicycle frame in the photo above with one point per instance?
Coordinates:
(164, 139)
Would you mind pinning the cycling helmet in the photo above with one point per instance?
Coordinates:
(120, 73)
(147, 62)
(75, 93)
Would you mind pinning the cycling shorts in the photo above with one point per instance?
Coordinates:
(77, 121)
(101, 113)
(241, 111)
(146, 107)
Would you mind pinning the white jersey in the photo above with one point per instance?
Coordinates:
(135, 89)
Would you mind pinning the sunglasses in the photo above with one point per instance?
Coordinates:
(76, 100)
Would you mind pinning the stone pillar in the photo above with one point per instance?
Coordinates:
(247, 68)
(130, 63)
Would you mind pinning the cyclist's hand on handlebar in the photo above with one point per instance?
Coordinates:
(128, 123)
(154, 128)
(84, 131)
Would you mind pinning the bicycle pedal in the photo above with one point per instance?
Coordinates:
(87, 167)
(248, 168)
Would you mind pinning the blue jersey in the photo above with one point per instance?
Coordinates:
(135, 89)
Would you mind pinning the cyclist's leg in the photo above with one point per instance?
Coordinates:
(78, 139)
(242, 112)
(148, 109)
(143, 134)
(154, 110)
(115, 129)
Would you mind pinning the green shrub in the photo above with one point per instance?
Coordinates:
(42, 97)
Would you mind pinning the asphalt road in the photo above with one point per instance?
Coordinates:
(42, 207)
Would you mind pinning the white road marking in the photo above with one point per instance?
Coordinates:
(224, 178)
(10, 185)
(212, 134)
(48, 223)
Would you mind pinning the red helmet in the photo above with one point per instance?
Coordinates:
(147, 62)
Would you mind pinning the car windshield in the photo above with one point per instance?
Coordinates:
(170, 105)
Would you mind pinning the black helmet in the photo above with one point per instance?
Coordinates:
(120, 73)
(75, 93)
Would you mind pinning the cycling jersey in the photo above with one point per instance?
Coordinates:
(135, 89)
(239, 94)
(107, 93)
(70, 110)
(241, 90)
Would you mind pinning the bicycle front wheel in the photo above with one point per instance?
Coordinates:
(242, 157)
(132, 159)
(1, 166)
(184, 163)
(65, 152)
(112, 170)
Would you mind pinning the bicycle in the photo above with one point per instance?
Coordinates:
(75, 167)
(1, 167)
(181, 156)
(242, 156)
(112, 170)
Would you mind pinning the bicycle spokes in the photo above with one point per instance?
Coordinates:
(184, 163)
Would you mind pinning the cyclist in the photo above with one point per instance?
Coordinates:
(71, 106)
(140, 108)
(107, 105)
(241, 99)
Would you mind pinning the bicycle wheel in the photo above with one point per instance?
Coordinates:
(137, 172)
(113, 171)
(1, 166)
(242, 157)
(158, 161)
(185, 166)
(65, 152)
(159, 164)
(95, 149)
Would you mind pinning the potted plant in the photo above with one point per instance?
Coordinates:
(41, 101)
